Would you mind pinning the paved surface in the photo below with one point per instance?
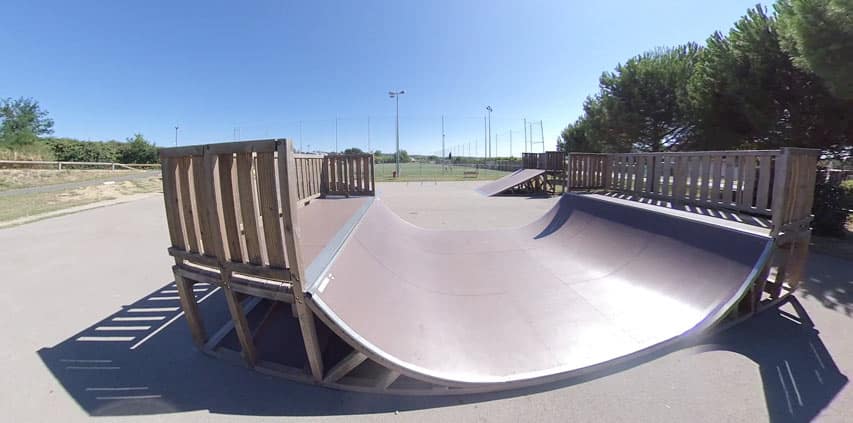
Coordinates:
(66, 277)
(133, 175)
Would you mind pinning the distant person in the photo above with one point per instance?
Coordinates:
(450, 156)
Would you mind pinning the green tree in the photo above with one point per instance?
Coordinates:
(818, 34)
(137, 150)
(578, 137)
(23, 121)
(353, 150)
(747, 93)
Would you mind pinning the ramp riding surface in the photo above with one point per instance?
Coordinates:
(513, 179)
(590, 282)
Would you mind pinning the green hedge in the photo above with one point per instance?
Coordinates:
(135, 150)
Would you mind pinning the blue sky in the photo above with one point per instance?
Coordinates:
(108, 69)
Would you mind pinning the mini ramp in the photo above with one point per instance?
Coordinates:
(508, 182)
(380, 305)
(589, 283)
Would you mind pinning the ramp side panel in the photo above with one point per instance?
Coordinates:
(591, 282)
(513, 179)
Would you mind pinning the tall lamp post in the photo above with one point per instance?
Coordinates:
(396, 96)
(176, 135)
(489, 109)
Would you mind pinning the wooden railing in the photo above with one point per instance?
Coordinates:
(309, 175)
(586, 170)
(41, 164)
(748, 181)
(348, 174)
(553, 161)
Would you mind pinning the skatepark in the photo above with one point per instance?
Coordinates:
(785, 362)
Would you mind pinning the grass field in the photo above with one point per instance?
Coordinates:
(26, 178)
(18, 206)
(432, 172)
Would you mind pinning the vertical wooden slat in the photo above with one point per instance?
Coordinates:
(169, 168)
(716, 173)
(748, 170)
(228, 215)
(729, 185)
(372, 168)
(268, 201)
(190, 221)
(706, 179)
(651, 162)
(247, 208)
(694, 177)
(207, 184)
(678, 178)
(638, 174)
(198, 188)
(294, 256)
(763, 194)
(666, 173)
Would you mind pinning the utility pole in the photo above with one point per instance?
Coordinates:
(176, 135)
(485, 139)
(336, 134)
(442, 137)
(300, 137)
(368, 136)
(496, 144)
(542, 135)
(489, 109)
(510, 142)
(525, 135)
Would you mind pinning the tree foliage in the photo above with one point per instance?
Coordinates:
(818, 34)
(23, 121)
(748, 88)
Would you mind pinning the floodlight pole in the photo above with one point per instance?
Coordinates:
(396, 96)
(176, 135)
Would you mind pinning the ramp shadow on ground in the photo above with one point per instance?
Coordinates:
(164, 374)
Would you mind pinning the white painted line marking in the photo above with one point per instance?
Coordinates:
(323, 284)
(120, 388)
(150, 335)
(128, 397)
(92, 367)
(153, 310)
(117, 328)
(164, 298)
(139, 319)
(175, 291)
(71, 360)
(106, 338)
